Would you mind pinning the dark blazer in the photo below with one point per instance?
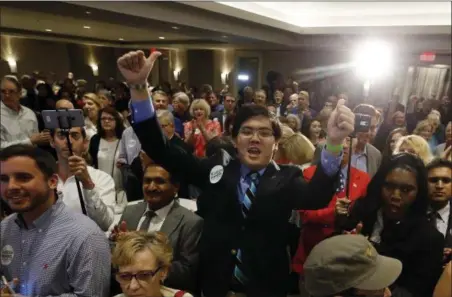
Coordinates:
(220, 116)
(262, 236)
(183, 228)
(414, 241)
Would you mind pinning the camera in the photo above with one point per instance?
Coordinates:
(362, 122)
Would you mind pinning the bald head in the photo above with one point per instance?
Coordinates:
(64, 104)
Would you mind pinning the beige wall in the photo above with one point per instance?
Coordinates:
(224, 62)
(32, 55)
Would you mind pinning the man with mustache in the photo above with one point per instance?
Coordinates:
(247, 199)
(440, 194)
(161, 211)
(49, 249)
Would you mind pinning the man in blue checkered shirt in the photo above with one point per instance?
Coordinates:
(51, 250)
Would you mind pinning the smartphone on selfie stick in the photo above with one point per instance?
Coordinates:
(66, 119)
(362, 124)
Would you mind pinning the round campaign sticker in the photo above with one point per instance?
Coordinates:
(216, 174)
(7, 255)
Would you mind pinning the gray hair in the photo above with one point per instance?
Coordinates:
(163, 114)
(183, 98)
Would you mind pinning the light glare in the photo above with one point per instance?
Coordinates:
(243, 77)
(373, 59)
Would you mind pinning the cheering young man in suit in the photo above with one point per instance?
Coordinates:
(247, 200)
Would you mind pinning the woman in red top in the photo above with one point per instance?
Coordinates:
(200, 130)
(319, 224)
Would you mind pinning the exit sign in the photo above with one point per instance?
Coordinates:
(427, 57)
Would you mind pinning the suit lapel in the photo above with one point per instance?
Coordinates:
(135, 215)
(269, 180)
(172, 220)
(448, 238)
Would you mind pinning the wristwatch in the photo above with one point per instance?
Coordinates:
(139, 87)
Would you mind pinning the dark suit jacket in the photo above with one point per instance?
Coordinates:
(183, 228)
(262, 236)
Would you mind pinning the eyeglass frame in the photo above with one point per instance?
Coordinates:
(256, 131)
(151, 273)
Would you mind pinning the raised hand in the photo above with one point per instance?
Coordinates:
(118, 230)
(135, 67)
(358, 229)
(340, 124)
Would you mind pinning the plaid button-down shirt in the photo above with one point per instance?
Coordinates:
(62, 253)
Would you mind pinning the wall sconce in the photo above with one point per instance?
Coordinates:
(224, 77)
(12, 64)
(176, 73)
(95, 69)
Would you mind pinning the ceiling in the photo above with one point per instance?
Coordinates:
(89, 26)
(342, 17)
(417, 26)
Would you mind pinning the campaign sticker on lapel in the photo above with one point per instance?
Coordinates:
(216, 174)
(7, 255)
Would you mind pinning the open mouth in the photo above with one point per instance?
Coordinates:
(16, 199)
(254, 151)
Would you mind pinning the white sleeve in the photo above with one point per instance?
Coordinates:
(101, 201)
(122, 148)
(5, 143)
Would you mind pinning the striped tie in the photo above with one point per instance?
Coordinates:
(248, 199)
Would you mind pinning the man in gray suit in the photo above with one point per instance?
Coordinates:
(366, 157)
(160, 211)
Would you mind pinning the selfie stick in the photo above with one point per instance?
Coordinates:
(349, 166)
(69, 145)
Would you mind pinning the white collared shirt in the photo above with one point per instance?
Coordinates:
(100, 202)
(17, 127)
(443, 221)
(159, 218)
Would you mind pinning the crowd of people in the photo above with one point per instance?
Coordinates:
(181, 192)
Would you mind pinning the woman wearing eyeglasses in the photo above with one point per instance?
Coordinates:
(142, 261)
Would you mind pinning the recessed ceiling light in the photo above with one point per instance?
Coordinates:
(88, 12)
(175, 28)
(86, 27)
(121, 39)
(161, 37)
(48, 30)
(224, 36)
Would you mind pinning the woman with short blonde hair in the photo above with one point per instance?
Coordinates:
(294, 148)
(142, 261)
(424, 129)
(415, 145)
(91, 107)
(201, 129)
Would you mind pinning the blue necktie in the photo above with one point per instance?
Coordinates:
(247, 200)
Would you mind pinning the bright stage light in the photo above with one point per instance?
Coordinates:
(373, 59)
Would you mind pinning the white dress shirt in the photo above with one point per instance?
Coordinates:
(443, 220)
(17, 127)
(129, 146)
(158, 219)
(100, 202)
